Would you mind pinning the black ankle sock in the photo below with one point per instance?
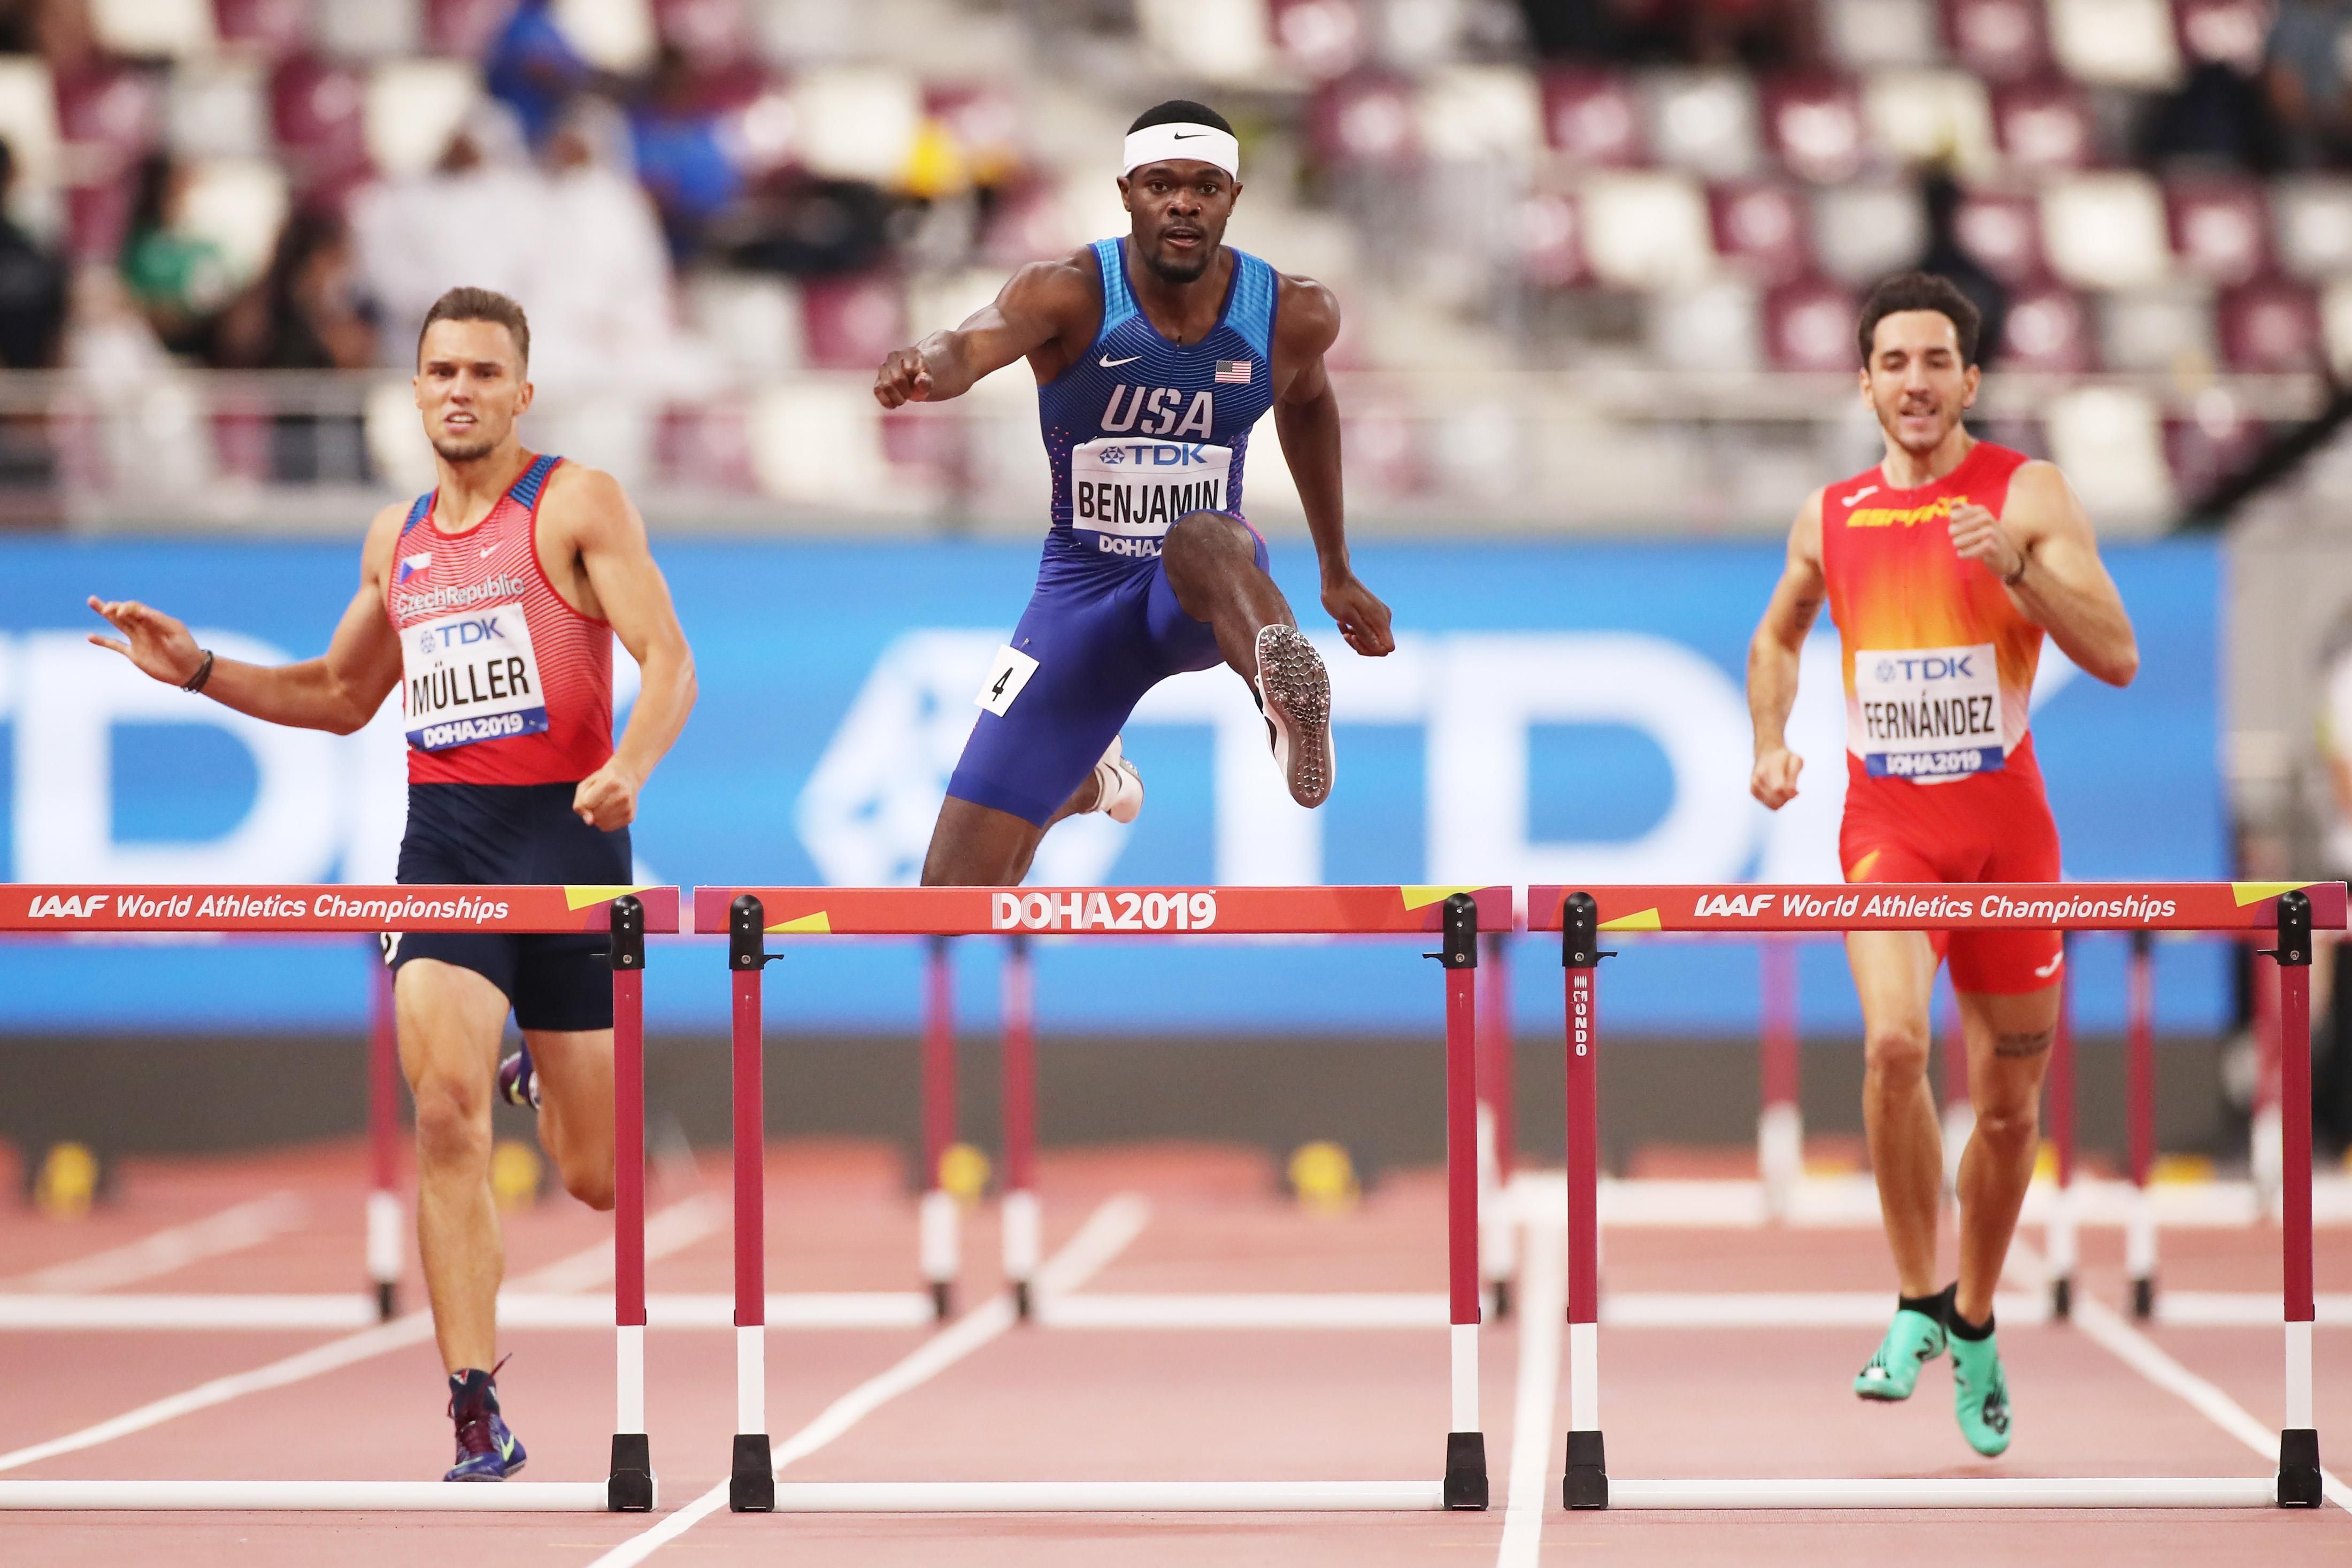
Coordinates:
(473, 1388)
(1935, 1306)
(1959, 1328)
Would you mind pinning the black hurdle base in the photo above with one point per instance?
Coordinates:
(387, 1301)
(752, 1485)
(629, 1486)
(1586, 1484)
(1465, 1470)
(2298, 1472)
(2143, 1299)
(943, 1301)
(1022, 1304)
(2061, 1297)
(1502, 1301)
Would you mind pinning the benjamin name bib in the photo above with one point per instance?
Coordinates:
(1127, 492)
(1927, 712)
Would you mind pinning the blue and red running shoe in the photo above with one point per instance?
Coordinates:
(487, 1450)
(518, 1080)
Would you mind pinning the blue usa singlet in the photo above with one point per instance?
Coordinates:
(1141, 431)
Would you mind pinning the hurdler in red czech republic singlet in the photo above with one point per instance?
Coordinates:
(503, 682)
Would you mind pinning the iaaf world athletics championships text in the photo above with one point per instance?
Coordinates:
(269, 906)
(1939, 907)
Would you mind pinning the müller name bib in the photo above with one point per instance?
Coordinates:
(472, 676)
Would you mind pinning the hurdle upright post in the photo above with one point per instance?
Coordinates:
(751, 1477)
(1465, 1441)
(2060, 1234)
(2139, 1113)
(629, 1482)
(1497, 1126)
(2264, 1153)
(2299, 1479)
(1779, 1125)
(1585, 1484)
(936, 1244)
(387, 1237)
(1022, 1221)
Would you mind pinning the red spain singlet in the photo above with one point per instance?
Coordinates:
(503, 682)
(1941, 781)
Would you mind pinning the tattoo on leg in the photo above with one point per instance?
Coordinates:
(2031, 1044)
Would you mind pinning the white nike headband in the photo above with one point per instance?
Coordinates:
(1206, 144)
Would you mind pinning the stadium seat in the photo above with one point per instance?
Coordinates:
(240, 205)
(2271, 325)
(2116, 43)
(755, 321)
(2233, 33)
(2313, 219)
(217, 108)
(1365, 118)
(1323, 38)
(1550, 231)
(2110, 441)
(2219, 228)
(28, 119)
(463, 30)
(110, 115)
(2000, 41)
(152, 29)
(2003, 230)
(1222, 40)
(616, 35)
(1646, 229)
(1865, 35)
(318, 112)
(1863, 231)
(1808, 325)
(2044, 124)
(1701, 121)
(267, 27)
(849, 323)
(1593, 117)
(2336, 323)
(1471, 112)
(1930, 117)
(2048, 328)
(411, 110)
(1762, 229)
(1815, 126)
(397, 446)
(1714, 327)
(2105, 230)
(2202, 452)
(2168, 329)
(820, 444)
(856, 122)
(371, 29)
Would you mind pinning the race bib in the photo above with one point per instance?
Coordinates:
(1006, 677)
(1129, 493)
(1927, 712)
(471, 676)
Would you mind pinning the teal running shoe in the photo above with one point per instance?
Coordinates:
(1980, 1394)
(1913, 1339)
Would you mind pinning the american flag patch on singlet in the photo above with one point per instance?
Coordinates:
(1234, 372)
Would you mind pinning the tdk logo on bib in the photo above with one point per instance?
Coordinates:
(1128, 494)
(1927, 666)
(1927, 714)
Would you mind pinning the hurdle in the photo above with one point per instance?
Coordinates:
(1584, 917)
(628, 913)
(749, 915)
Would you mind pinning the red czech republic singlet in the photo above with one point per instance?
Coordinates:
(502, 682)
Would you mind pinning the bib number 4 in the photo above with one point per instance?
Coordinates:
(1007, 675)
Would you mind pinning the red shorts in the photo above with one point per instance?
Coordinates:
(1987, 828)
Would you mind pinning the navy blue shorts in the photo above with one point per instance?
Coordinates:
(1102, 637)
(514, 835)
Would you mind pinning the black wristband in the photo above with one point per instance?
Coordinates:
(203, 673)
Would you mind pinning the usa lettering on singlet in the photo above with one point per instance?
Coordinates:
(1939, 662)
(502, 682)
(1141, 431)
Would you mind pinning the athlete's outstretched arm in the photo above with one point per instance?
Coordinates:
(339, 692)
(1306, 421)
(2042, 549)
(611, 539)
(1040, 303)
(1776, 654)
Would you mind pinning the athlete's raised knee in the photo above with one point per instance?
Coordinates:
(1208, 535)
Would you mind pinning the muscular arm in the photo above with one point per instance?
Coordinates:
(1040, 304)
(609, 537)
(339, 692)
(1775, 655)
(1307, 422)
(2043, 539)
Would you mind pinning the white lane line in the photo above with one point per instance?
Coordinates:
(1108, 1232)
(231, 1230)
(1543, 1308)
(676, 1226)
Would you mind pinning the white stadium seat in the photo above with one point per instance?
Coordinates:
(2116, 43)
(1702, 120)
(218, 108)
(1863, 232)
(1646, 229)
(2110, 441)
(1715, 327)
(856, 122)
(368, 29)
(611, 34)
(28, 118)
(1867, 34)
(412, 108)
(1931, 117)
(2105, 230)
(2313, 219)
(1468, 113)
(240, 205)
(1224, 40)
(148, 29)
(820, 444)
(2165, 330)
(2336, 317)
(752, 319)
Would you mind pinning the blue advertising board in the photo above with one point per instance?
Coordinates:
(1554, 712)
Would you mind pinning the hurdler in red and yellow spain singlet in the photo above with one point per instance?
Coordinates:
(1942, 785)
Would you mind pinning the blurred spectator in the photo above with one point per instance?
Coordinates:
(178, 280)
(1949, 257)
(532, 68)
(2310, 50)
(681, 154)
(810, 228)
(32, 288)
(600, 296)
(1758, 34)
(304, 314)
(474, 220)
(2219, 115)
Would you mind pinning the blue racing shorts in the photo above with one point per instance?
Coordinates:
(1102, 636)
(509, 835)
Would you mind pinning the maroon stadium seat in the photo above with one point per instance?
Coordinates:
(1808, 325)
(317, 110)
(2048, 328)
(1762, 229)
(1365, 118)
(2044, 124)
(2219, 228)
(1550, 233)
(2270, 324)
(272, 27)
(2000, 41)
(1813, 124)
(1593, 117)
(853, 322)
(2003, 230)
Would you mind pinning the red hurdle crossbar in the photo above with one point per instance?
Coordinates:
(628, 913)
(1454, 914)
(1584, 916)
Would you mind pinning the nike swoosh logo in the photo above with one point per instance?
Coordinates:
(487, 550)
(2050, 968)
(1186, 135)
(1109, 363)
(1866, 490)
(506, 1448)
